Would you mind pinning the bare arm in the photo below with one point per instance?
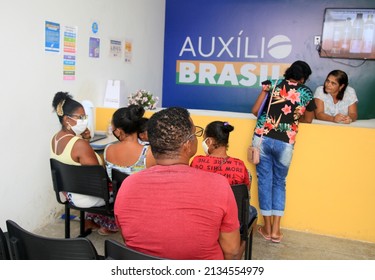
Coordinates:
(230, 243)
(258, 102)
(83, 153)
(339, 118)
(320, 115)
(309, 114)
(352, 112)
(307, 117)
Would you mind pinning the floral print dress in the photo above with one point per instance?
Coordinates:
(288, 104)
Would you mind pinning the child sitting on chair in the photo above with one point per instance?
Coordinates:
(216, 160)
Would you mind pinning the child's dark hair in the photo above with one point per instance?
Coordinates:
(128, 118)
(142, 125)
(219, 131)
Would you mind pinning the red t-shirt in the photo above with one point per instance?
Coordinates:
(233, 169)
(176, 212)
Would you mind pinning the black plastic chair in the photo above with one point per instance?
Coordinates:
(241, 193)
(117, 178)
(81, 179)
(114, 250)
(4, 248)
(25, 245)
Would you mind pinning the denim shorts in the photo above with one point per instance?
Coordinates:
(275, 158)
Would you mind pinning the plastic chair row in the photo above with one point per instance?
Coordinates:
(19, 244)
(93, 180)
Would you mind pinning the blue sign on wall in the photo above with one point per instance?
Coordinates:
(217, 52)
(52, 36)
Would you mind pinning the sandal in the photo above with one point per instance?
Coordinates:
(262, 234)
(103, 231)
(277, 239)
(89, 224)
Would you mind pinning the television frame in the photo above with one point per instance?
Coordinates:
(338, 39)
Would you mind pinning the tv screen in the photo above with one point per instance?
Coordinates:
(348, 33)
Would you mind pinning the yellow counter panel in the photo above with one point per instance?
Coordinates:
(330, 186)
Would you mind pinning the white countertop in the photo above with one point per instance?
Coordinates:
(101, 144)
(359, 123)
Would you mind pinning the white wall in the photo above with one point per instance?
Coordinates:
(29, 78)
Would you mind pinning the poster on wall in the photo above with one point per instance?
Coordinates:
(94, 47)
(220, 64)
(52, 37)
(70, 53)
(115, 48)
(128, 51)
(217, 52)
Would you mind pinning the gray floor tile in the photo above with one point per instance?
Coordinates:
(294, 246)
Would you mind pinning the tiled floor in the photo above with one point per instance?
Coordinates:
(294, 246)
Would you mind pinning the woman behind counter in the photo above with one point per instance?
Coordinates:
(336, 101)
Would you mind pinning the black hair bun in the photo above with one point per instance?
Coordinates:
(60, 96)
(227, 127)
(136, 112)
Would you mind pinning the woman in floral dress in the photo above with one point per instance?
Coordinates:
(275, 135)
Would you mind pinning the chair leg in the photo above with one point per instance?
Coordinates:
(67, 221)
(246, 254)
(81, 223)
(14, 249)
(249, 246)
(82, 231)
(249, 239)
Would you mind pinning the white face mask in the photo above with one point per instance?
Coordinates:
(205, 147)
(80, 126)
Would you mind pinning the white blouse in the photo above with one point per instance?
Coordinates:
(341, 107)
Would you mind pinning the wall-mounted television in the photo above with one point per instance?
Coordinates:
(348, 33)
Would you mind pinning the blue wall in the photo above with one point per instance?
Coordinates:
(217, 52)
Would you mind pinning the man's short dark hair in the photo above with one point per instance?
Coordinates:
(167, 130)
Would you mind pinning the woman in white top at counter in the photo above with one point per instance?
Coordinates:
(336, 101)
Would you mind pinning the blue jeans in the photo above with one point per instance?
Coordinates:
(275, 158)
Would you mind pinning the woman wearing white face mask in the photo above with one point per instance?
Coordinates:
(69, 147)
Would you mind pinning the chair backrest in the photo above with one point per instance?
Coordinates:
(114, 250)
(25, 245)
(82, 179)
(241, 193)
(117, 178)
(4, 248)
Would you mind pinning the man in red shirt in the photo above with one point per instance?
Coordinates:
(172, 210)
